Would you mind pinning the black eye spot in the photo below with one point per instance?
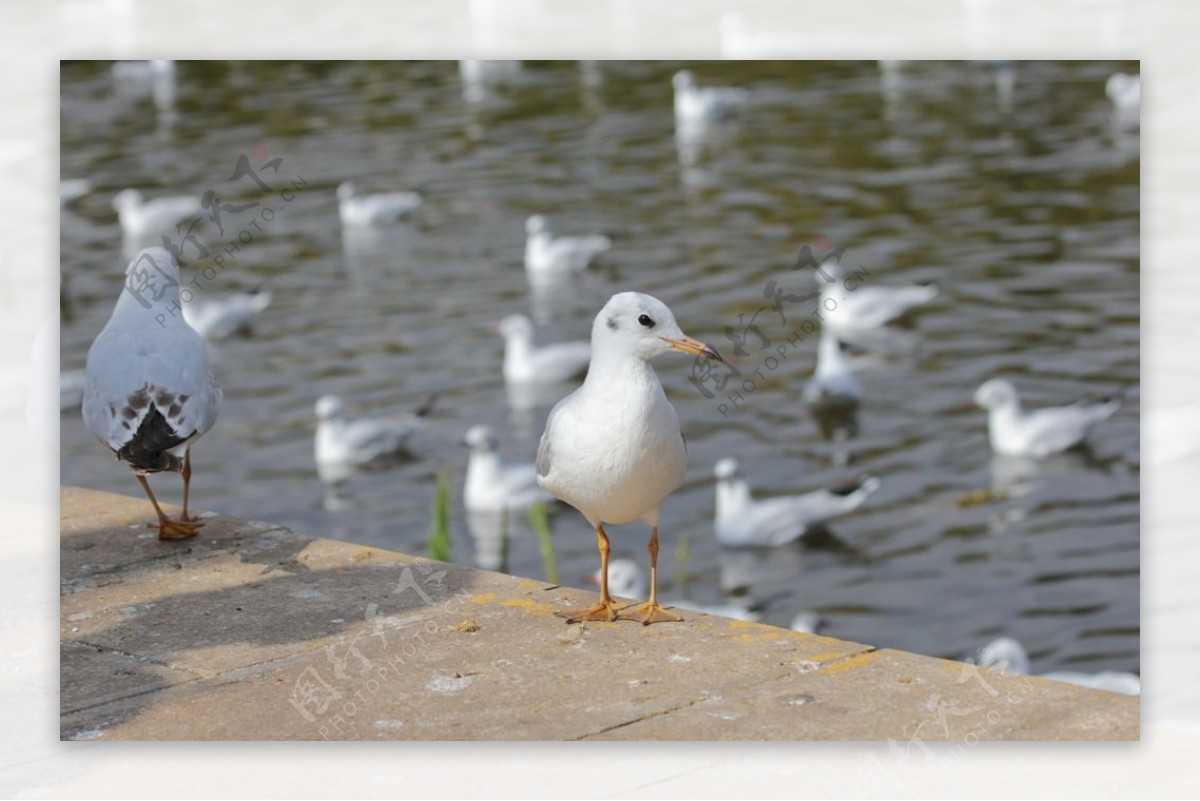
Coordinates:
(645, 321)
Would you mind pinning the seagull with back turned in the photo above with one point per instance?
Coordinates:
(1013, 431)
(613, 448)
(150, 392)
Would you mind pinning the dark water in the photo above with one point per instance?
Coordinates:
(1027, 217)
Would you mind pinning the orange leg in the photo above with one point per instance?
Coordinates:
(606, 610)
(168, 529)
(650, 611)
(187, 482)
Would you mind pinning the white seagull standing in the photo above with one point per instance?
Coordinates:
(525, 363)
(856, 304)
(1016, 432)
(340, 442)
(143, 219)
(491, 485)
(219, 317)
(696, 105)
(626, 580)
(378, 209)
(833, 383)
(548, 255)
(613, 448)
(1005, 653)
(743, 522)
(150, 391)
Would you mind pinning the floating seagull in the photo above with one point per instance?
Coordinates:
(378, 209)
(142, 219)
(219, 317)
(855, 303)
(742, 521)
(833, 384)
(1005, 653)
(340, 442)
(1015, 432)
(613, 448)
(491, 485)
(1125, 92)
(625, 579)
(150, 390)
(525, 363)
(546, 254)
(71, 384)
(693, 104)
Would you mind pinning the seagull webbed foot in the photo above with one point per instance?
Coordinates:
(605, 611)
(177, 529)
(647, 613)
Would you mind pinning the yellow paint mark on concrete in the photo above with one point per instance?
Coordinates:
(483, 598)
(533, 607)
(851, 663)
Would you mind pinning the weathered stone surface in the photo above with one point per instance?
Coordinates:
(251, 631)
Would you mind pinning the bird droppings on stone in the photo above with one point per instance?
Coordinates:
(448, 684)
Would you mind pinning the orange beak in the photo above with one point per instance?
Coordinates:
(694, 347)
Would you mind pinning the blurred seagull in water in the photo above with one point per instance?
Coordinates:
(1016, 432)
(546, 254)
(696, 105)
(379, 209)
(526, 363)
(1005, 653)
(613, 448)
(143, 219)
(150, 392)
(833, 383)
(742, 521)
(854, 303)
(220, 317)
(340, 442)
(493, 486)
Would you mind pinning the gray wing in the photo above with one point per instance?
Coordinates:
(543, 454)
(132, 374)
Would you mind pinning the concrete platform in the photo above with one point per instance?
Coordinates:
(254, 632)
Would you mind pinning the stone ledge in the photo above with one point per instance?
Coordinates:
(253, 632)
